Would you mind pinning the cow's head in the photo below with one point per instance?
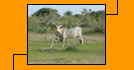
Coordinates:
(59, 29)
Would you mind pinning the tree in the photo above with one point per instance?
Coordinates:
(45, 12)
(68, 13)
(77, 15)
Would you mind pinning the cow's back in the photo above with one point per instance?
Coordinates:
(73, 32)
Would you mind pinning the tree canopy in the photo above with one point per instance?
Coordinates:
(45, 12)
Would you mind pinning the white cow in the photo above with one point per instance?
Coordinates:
(66, 34)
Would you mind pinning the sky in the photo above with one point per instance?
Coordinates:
(76, 9)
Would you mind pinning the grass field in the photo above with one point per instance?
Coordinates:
(92, 52)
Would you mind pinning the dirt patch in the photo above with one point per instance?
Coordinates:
(37, 36)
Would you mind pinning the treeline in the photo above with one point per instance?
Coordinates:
(90, 21)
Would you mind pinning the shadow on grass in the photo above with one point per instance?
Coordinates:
(71, 49)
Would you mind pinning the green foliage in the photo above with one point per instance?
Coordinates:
(44, 12)
(42, 20)
(71, 49)
(68, 13)
(34, 23)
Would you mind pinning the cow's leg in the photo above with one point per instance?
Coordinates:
(63, 42)
(80, 37)
(81, 40)
(52, 43)
(66, 41)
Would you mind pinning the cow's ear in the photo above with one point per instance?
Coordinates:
(56, 26)
(61, 26)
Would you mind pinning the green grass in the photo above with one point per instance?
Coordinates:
(92, 52)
